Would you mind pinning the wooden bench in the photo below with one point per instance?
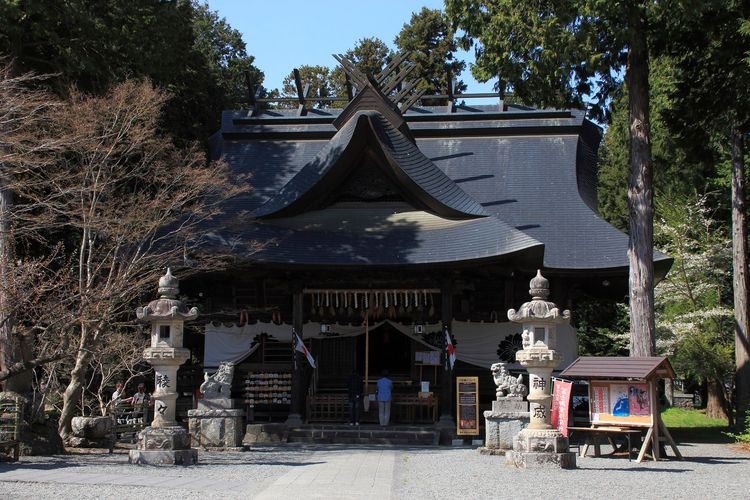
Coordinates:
(593, 435)
(10, 425)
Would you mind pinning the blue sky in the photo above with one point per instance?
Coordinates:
(284, 35)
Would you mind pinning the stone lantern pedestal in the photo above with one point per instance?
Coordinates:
(539, 444)
(165, 442)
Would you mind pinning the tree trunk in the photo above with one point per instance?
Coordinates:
(8, 348)
(739, 264)
(640, 193)
(73, 390)
(716, 405)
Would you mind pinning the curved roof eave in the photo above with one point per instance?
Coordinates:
(411, 170)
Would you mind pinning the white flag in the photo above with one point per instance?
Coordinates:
(300, 346)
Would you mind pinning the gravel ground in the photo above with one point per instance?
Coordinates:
(707, 471)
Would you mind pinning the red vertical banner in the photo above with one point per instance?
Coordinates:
(560, 405)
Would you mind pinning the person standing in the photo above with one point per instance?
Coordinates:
(385, 394)
(140, 398)
(118, 394)
(354, 387)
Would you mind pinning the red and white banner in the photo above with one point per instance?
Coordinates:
(299, 346)
(450, 352)
(561, 405)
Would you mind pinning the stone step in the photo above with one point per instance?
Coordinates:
(365, 435)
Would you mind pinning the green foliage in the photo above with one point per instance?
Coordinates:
(369, 55)
(744, 436)
(680, 170)
(603, 327)
(431, 41)
(552, 54)
(319, 78)
(694, 321)
(181, 46)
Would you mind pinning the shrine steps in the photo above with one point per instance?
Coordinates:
(366, 434)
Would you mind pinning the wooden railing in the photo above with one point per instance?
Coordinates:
(405, 409)
(130, 420)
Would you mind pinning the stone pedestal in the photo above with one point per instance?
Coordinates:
(216, 428)
(163, 446)
(541, 448)
(506, 419)
(264, 434)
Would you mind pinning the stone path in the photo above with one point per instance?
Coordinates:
(330, 474)
(359, 474)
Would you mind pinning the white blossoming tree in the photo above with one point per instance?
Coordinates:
(694, 315)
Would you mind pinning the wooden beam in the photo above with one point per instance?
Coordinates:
(391, 67)
(360, 80)
(398, 78)
(349, 90)
(411, 100)
(405, 90)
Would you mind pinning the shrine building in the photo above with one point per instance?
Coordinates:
(374, 228)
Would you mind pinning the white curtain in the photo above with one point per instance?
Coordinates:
(476, 343)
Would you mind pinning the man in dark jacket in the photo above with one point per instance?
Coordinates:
(354, 387)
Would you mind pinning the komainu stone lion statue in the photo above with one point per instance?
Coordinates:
(508, 386)
(218, 385)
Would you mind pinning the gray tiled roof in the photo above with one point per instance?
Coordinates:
(404, 163)
(388, 233)
(533, 171)
(603, 367)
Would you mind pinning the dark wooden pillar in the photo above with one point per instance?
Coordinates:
(446, 386)
(299, 365)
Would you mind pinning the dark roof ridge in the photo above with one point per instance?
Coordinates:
(398, 156)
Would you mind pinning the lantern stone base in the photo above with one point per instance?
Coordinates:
(264, 433)
(541, 448)
(163, 446)
(504, 422)
(216, 428)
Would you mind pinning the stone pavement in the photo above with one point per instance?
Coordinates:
(324, 473)
(359, 474)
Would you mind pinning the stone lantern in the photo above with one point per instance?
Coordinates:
(540, 444)
(165, 442)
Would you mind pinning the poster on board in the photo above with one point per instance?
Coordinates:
(638, 399)
(618, 402)
(467, 402)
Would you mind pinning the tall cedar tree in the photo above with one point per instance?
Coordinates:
(558, 53)
(430, 39)
(713, 99)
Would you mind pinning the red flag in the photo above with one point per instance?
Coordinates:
(450, 352)
(300, 347)
(561, 405)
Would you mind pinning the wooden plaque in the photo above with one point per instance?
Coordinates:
(467, 406)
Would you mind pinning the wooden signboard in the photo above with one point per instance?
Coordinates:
(618, 402)
(467, 406)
